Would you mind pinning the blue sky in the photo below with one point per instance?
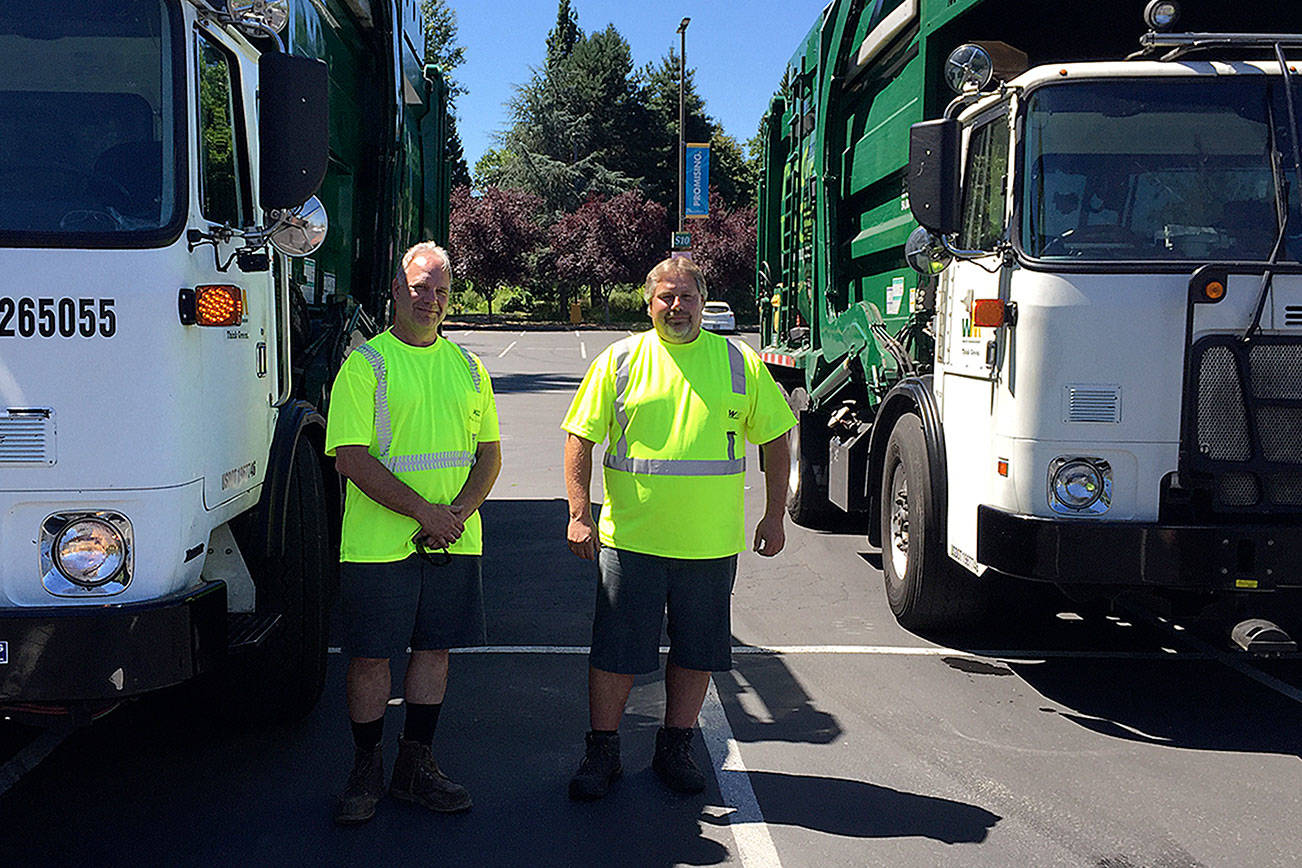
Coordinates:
(738, 48)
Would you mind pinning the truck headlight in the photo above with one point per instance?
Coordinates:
(1080, 485)
(86, 552)
(90, 552)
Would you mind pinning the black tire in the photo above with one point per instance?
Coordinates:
(282, 680)
(807, 502)
(925, 589)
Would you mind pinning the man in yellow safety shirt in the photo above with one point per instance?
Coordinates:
(676, 406)
(413, 427)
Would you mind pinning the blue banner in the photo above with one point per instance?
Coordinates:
(696, 189)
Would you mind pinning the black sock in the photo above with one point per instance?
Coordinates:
(421, 720)
(366, 736)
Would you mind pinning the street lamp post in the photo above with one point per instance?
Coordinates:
(682, 112)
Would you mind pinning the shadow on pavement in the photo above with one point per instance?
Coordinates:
(548, 382)
(1133, 690)
(856, 809)
(766, 702)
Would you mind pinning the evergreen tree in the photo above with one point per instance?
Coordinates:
(459, 172)
(563, 37)
(575, 126)
(442, 50)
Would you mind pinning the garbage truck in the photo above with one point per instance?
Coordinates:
(201, 204)
(1032, 279)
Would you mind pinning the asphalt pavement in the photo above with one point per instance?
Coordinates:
(1053, 737)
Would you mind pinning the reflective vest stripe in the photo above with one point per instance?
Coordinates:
(676, 466)
(384, 426)
(621, 389)
(470, 363)
(617, 457)
(429, 461)
(383, 429)
(737, 366)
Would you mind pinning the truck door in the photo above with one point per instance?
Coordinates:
(969, 356)
(236, 360)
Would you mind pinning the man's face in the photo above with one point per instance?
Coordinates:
(675, 309)
(421, 300)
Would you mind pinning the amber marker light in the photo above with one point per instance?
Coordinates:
(219, 305)
(988, 312)
(1002, 466)
(1214, 290)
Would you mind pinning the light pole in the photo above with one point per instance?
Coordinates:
(682, 112)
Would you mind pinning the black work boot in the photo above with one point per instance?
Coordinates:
(416, 778)
(364, 789)
(600, 767)
(673, 761)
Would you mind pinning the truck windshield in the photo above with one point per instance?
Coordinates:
(89, 140)
(1176, 170)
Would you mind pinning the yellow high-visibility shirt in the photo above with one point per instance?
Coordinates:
(675, 419)
(422, 412)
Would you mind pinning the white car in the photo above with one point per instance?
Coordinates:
(717, 317)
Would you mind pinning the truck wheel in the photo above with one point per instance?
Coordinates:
(807, 502)
(925, 589)
(282, 680)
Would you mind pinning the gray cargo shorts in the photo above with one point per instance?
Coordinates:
(634, 593)
(388, 607)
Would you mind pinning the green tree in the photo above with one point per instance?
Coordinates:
(443, 51)
(574, 126)
(562, 38)
(728, 169)
(441, 47)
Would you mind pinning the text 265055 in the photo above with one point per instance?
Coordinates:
(28, 317)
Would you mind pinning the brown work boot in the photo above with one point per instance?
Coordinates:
(364, 789)
(673, 761)
(416, 778)
(599, 769)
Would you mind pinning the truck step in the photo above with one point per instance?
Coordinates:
(247, 631)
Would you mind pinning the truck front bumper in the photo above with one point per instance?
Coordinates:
(1195, 557)
(59, 654)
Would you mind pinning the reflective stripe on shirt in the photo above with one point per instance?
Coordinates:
(384, 426)
(429, 461)
(617, 457)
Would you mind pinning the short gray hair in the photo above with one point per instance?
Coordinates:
(430, 248)
(681, 266)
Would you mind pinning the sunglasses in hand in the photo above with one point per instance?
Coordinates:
(437, 559)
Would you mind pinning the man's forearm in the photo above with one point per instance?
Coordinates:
(578, 475)
(777, 467)
(379, 484)
(488, 464)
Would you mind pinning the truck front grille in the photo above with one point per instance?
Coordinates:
(1244, 434)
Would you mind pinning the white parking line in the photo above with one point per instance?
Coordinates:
(508, 349)
(754, 844)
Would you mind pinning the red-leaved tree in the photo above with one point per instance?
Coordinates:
(723, 245)
(609, 241)
(492, 236)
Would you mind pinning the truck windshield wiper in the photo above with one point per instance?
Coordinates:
(1281, 188)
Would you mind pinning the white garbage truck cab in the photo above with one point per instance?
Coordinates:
(1118, 325)
(165, 511)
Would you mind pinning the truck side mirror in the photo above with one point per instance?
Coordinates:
(934, 162)
(293, 118)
